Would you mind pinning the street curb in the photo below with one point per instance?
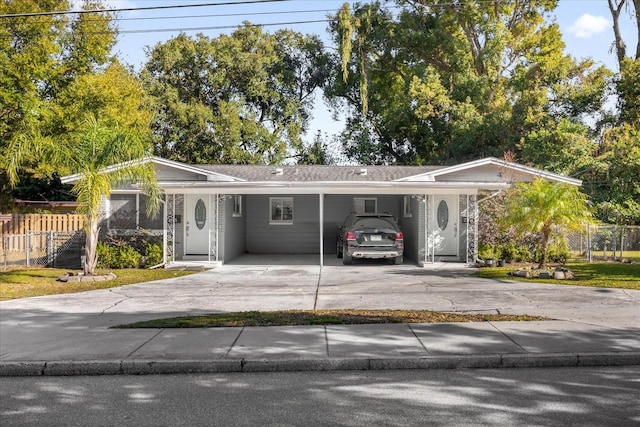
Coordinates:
(152, 367)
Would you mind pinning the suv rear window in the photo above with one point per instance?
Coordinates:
(374, 222)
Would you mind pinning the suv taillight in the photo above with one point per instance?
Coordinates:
(399, 235)
(350, 235)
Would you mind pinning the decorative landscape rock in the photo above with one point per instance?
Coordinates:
(80, 277)
(566, 273)
(521, 273)
(560, 273)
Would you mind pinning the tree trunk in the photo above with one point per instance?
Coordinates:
(545, 248)
(621, 49)
(91, 244)
(636, 5)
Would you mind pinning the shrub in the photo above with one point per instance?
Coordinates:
(523, 254)
(127, 257)
(559, 251)
(512, 252)
(485, 251)
(130, 250)
(104, 255)
(117, 256)
(152, 255)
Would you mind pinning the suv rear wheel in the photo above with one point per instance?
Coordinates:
(346, 258)
(398, 260)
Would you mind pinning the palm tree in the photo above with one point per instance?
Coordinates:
(541, 207)
(89, 153)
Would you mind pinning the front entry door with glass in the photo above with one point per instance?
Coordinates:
(197, 225)
(446, 225)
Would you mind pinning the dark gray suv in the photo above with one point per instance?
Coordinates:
(370, 236)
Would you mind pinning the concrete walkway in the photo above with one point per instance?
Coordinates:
(70, 334)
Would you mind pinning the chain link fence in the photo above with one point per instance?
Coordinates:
(606, 242)
(61, 249)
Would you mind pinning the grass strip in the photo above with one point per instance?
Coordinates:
(597, 274)
(32, 282)
(321, 317)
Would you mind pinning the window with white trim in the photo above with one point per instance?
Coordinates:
(237, 205)
(406, 206)
(365, 205)
(281, 210)
(123, 209)
(129, 211)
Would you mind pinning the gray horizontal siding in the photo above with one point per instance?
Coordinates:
(234, 232)
(300, 237)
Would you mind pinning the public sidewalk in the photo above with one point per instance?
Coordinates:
(104, 351)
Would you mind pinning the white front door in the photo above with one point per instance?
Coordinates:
(198, 224)
(446, 225)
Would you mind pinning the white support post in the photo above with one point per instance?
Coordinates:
(164, 229)
(321, 199)
(426, 230)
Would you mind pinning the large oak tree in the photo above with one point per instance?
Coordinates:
(240, 98)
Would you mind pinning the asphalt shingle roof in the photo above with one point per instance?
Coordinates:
(310, 173)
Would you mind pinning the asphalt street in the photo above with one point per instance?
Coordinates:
(504, 397)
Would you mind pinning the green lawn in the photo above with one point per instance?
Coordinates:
(31, 282)
(597, 274)
(321, 317)
(630, 255)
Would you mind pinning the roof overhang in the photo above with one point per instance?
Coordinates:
(209, 175)
(510, 172)
(330, 187)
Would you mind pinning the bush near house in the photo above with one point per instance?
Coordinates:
(137, 250)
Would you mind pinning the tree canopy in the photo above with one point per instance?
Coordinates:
(246, 97)
(448, 81)
(40, 57)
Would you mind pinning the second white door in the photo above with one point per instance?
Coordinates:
(446, 225)
(198, 224)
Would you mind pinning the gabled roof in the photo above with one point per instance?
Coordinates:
(319, 173)
(160, 161)
(508, 171)
(487, 173)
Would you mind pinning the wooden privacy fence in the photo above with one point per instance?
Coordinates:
(20, 224)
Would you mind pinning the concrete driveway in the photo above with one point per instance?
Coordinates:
(76, 326)
(297, 282)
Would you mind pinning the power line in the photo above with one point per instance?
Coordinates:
(224, 15)
(222, 27)
(131, 9)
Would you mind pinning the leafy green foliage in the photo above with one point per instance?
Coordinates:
(40, 57)
(152, 255)
(117, 256)
(546, 209)
(449, 81)
(239, 98)
(117, 250)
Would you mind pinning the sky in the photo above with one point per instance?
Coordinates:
(586, 26)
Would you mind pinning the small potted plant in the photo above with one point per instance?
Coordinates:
(487, 254)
